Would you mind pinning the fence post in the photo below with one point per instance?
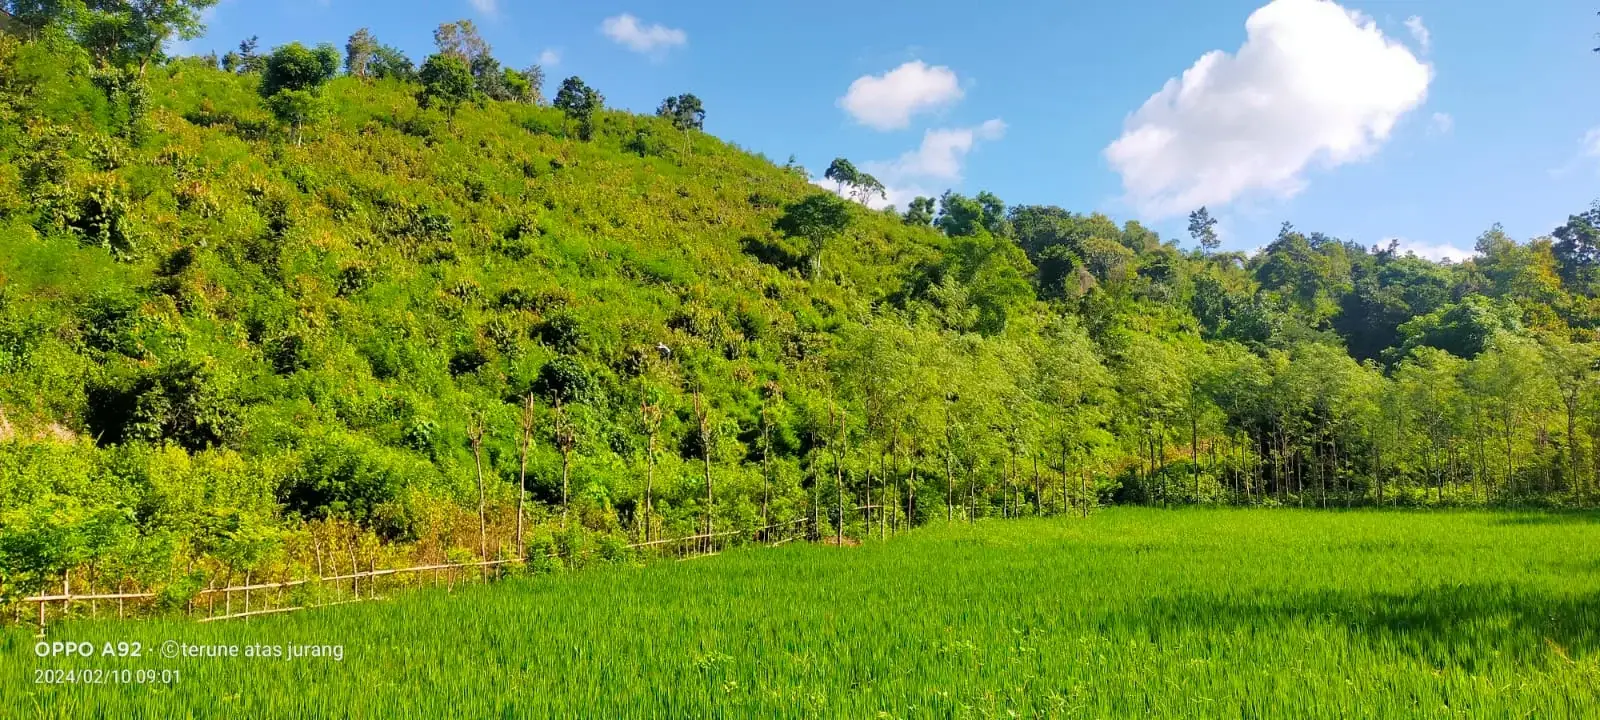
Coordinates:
(355, 572)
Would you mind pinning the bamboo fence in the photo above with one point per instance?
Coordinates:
(362, 585)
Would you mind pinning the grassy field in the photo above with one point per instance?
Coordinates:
(1131, 613)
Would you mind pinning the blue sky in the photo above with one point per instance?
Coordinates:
(1425, 120)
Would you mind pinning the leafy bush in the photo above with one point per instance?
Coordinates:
(183, 402)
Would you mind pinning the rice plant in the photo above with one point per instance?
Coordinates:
(1188, 613)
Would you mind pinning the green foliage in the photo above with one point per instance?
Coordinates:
(229, 335)
(961, 216)
(817, 219)
(296, 67)
(447, 83)
(997, 619)
(388, 63)
(685, 111)
(579, 102)
(1463, 329)
(920, 212)
(291, 80)
(565, 381)
(360, 54)
(352, 479)
(1203, 228)
(184, 402)
(118, 34)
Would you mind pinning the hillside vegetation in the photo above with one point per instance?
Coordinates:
(247, 312)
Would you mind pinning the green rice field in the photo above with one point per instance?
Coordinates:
(1129, 613)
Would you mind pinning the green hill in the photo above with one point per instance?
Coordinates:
(226, 336)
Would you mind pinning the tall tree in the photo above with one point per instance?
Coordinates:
(291, 81)
(389, 63)
(685, 112)
(579, 102)
(920, 212)
(868, 187)
(447, 83)
(1577, 251)
(460, 40)
(120, 33)
(842, 172)
(1203, 229)
(533, 75)
(245, 59)
(818, 219)
(358, 53)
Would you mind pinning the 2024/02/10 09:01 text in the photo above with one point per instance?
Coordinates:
(102, 676)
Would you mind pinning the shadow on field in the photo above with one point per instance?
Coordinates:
(1569, 517)
(1461, 626)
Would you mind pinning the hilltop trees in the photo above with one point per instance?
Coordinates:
(245, 59)
(389, 63)
(863, 186)
(533, 75)
(291, 80)
(460, 40)
(842, 172)
(120, 34)
(919, 212)
(817, 219)
(579, 102)
(1577, 249)
(447, 83)
(685, 112)
(359, 53)
(1203, 229)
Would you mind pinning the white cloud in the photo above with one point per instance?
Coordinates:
(941, 155)
(656, 39)
(887, 102)
(1591, 143)
(1313, 82)
(1419, 32)
(549, 58)
(1441, 123)
(487, 7)
(1430, 251)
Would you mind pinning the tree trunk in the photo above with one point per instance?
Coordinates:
(564, 439)
(483, 522)
(1065, 506)
(522, 473)
(1038, 487)
(1194, 452)
(1084, 473)
(705, 457)
(766, 479)
(838, 469)
(911, 498)
(949, 488)
(972, 497)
